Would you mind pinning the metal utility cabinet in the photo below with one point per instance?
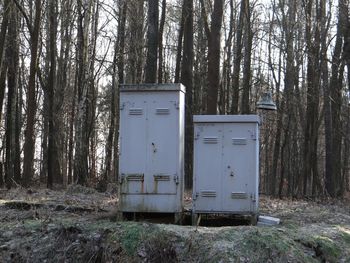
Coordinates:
(226, 165)
(151, 165)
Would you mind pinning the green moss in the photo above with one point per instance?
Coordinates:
(131, 237)
(328, 249)
(101, 225)
(32, 224)
(346, 237)
(270, 243)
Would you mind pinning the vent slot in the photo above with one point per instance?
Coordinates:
(135, 111)
(135, 177)
(161, 177)
(239, 195)
(239, 141)
(208, 193)
(210, 140)
(162, 111)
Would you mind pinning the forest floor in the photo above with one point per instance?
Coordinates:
(79, 225)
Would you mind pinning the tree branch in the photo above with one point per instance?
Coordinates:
(26, 18)
(205, 17)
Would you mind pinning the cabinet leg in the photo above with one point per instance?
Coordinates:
(178, 218)
(194, 219)
(254, 220)
(120, 216)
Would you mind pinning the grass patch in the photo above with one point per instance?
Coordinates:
(329, 250)
(269, 243)
(346, 237)
(102, 225)
(32, 224)
(131, 237)
(325, 249)
(160, 247)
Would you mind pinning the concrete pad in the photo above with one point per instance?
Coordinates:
(268, 221)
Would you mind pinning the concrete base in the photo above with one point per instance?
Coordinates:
(268, 221)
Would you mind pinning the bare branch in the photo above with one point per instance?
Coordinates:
(205, 17)
(26, 18)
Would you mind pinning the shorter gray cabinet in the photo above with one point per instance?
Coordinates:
(226, 164)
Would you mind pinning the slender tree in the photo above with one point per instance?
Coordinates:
(52, 160)
(81, 165)
(152, 42)
(29, 144)
(248, 42)
(187, 80)
(238, 58)
(118, 65)
(160, 42)
(214, 36)
(3, 66)
(179, 46)
(12, 86)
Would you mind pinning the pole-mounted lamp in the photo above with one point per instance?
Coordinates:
(266, 102)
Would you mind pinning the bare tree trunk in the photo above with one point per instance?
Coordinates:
(179, 46)
(312, 103)
(344, 9)
(82, 130)
(3, 30)
(187, 80)
(248, 42)
(214, 37)
(12, 53)
(3, 71)
(332, 110)
(118, 60)
(53, 166)
(136, 45)
(18, 127)
(200, 69)
(92, 90)
(238, 58)
(226, 71)
(109, 143)
(72, 179)
(29, 144)
(280, 112)
(160, 42)
(60, 91)
(152, 42)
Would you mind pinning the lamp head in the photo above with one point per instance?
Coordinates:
(266, 102)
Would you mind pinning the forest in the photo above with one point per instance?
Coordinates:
(62, 61)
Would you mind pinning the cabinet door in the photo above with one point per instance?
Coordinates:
(239, 166)
(207, 170)
(163, 143)
(133, 147)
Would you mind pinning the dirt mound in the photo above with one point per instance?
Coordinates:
(79, 225)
